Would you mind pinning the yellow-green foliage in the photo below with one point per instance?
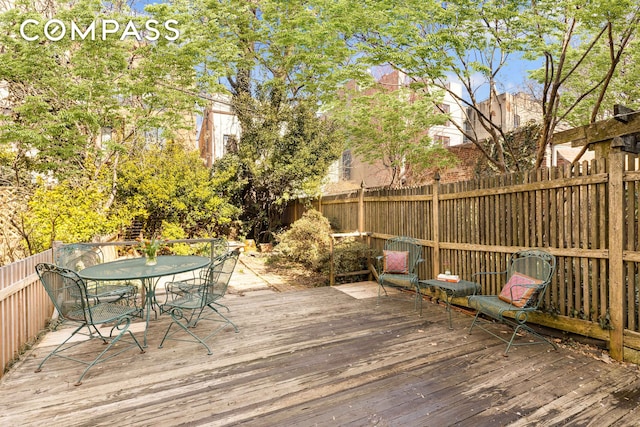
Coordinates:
(66, 212)
(308, 240)
(172, 185)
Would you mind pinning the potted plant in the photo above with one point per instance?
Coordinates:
(150, 247)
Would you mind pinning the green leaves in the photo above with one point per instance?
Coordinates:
(172, 185)
(390, 126)
(65, 212)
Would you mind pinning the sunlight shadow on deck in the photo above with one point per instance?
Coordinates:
(364, 290)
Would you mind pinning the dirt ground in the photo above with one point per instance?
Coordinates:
(282, 275)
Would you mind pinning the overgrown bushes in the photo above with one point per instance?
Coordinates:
(349, 255)
(308, 241)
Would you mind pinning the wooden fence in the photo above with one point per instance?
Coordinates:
(586, 216)
(24, 306)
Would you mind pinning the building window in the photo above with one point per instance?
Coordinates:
(445, 141)
(446, 109)
(516, 121)
(345, 169)
(229, 144)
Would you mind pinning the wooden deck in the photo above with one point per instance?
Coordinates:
(327, 357)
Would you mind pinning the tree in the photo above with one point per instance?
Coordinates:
(278, 60)
(584, 46)
(284, 153)
(581, 46)
(80, 107)
(469, 42)
(64, 212)
(64, 94)
(171, 187)
(390, 126)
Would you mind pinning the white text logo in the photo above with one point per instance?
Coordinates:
(55, 30)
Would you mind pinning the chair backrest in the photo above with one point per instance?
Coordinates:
(406, 244)
(219, 274)
(219, 247)
(537, 264)
(67, 291)
(78, 256)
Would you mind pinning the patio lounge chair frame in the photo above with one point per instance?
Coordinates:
(197, 300)
(68, 292)
(537, 264)
(402, 280)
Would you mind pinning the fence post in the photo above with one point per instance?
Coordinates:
(436, 225)
(55, 247)
(361, 209)
(332, 270)
(616, 265)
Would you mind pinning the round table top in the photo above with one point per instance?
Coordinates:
(135, 268)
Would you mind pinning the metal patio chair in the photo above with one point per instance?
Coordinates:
(69, 295)
(219, 247)
(527, 277)
(78, 256)
(197, 300)
(398, 264)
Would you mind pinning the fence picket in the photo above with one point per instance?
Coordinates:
(561, 209)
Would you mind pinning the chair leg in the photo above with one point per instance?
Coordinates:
(176, 317)
(475, 319)
(109, 341)
(223, 306)
(517, 327)
(418, 297)
(123, 328)
(224, 317)
(381, 286)
(528, 330)
(56, 350)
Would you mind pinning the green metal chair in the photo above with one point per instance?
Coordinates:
(196, 300)
(398, 264)
(69, 295)
(527, 277)
(219, 247)
(78, 256)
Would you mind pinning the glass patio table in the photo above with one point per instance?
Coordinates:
(136, 269)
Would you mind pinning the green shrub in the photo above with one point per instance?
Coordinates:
(307, 240)
(349, 255)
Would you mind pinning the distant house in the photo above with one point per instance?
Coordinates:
(510, 111)
(350, 171)
(507, 111)
(219, 130)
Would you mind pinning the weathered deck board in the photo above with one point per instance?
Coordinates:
(322, 357)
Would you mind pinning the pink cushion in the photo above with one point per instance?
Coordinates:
(515, 292)
(396, 262)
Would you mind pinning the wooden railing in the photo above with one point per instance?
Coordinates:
(24, 306)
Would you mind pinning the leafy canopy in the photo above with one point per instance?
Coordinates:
(390, 126)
